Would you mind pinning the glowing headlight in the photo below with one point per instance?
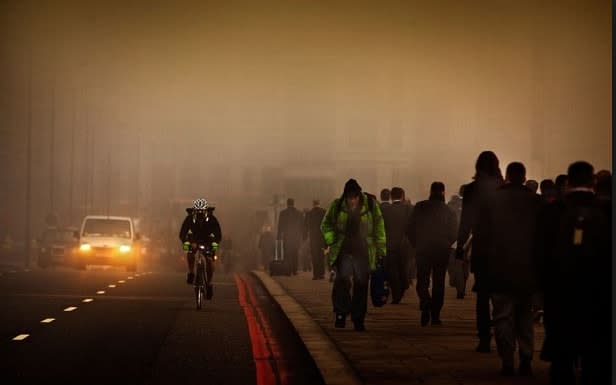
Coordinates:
(124, 249)
(85, 247)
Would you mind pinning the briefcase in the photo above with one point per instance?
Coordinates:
(379, 286)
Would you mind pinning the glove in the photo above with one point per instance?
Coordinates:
(460, 253)
(214, 246)
(186, 246)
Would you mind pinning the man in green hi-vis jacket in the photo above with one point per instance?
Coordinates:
(354, 233)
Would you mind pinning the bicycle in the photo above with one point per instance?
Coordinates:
(202, 253)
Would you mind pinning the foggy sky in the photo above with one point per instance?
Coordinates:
(243, 99)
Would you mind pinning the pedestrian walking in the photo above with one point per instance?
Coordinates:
(432, 230)
(396, 219)
(354, 232)
(487, 179)
(312, 232)
(290, 226)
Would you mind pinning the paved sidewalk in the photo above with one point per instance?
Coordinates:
(395, 349)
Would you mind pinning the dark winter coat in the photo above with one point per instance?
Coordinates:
(290, 226)
(432, 228)
(198, 230)
(396, 217)
(312, 227)
(474, 219)
(511, 265)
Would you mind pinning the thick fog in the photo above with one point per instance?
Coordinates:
(154, 103)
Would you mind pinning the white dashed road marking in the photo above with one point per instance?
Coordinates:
(87, 300)
(130, 277)
(112, 286)
(100, 292)
(21, 337)
(70, 308)
(48, 320)
(121, 281)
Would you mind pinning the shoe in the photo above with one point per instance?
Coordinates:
(209, 292)
(460, 296)
(425, 317)
(525, 369)
(359, 327)
(507, 371)
(483, 347)
(340, 321)
(190, 278)
(436, 322)
(315, 278)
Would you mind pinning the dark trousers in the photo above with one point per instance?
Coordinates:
(482, 310)
(291, 250)
(513, 325)
(351, 271)
(397, 273)
(318, 259)
(435, 267)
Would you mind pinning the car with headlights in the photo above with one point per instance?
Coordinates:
(56, 247)
(107, 240)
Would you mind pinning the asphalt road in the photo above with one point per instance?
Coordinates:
(144, 329)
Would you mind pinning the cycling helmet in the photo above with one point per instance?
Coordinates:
(200, 204)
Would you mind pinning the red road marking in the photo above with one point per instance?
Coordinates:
(260, 350)
(272, 342)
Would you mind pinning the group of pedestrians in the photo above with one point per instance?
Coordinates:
(527, 251)
(296, 228)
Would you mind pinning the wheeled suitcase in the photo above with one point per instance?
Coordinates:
(278, 265)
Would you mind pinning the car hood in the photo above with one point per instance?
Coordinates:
(106, 241)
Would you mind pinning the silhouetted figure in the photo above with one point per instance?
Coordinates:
(458, 269)
(432, 230)
(267, 246)
(290, 226)
(385, 197)
(312, 231)
(577, 251)
(396, 219)
(532, 185)
(488, 178)
(304, 249)
(549, 192)
(561, 185)
(511, 271)
(603, 187)
(354, 232)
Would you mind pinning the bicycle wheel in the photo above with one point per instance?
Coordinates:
(199, 284)
(198, 297)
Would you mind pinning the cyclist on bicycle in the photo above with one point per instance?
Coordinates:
(200, 227)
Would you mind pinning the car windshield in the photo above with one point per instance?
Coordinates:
(107, 228)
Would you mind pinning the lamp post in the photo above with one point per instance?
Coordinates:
(28, 170)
